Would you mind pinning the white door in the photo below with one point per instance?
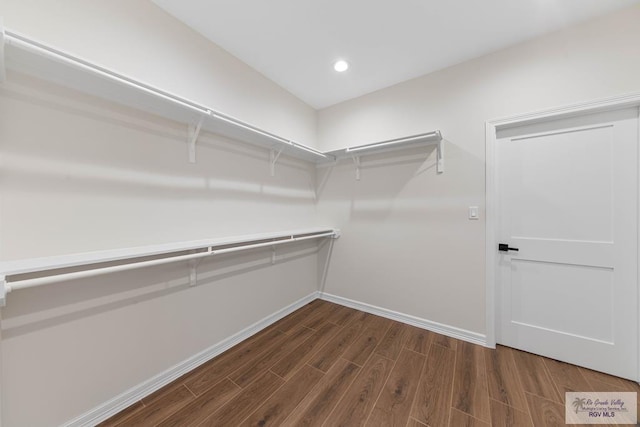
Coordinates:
(568, 202)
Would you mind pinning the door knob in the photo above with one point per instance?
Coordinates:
(503, 247)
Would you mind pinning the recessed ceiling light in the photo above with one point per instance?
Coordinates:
(341, 66)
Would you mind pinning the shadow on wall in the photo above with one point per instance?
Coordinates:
(33, 309)
(136, 152)
(30, 173)
(383, 179)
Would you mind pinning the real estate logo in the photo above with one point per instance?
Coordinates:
(616, 408)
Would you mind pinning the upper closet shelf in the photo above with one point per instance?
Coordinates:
(35, 59)
(23, 55)
(429, 138)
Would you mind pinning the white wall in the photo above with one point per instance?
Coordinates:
(138, 39)
(80, 174)
(407, 244)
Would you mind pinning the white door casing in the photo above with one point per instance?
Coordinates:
(562, 187)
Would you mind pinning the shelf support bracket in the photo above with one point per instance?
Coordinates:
(273, 255)
(194, 132)
(273, 158)
(3, 291)
(193, 272)
(356, 162)
(3, 71)
(440, 157)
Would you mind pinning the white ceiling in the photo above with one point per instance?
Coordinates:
(295, 42)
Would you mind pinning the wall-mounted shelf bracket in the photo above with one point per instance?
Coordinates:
(193, 270)
(193, 273)
(273, 158)
(3, 291)
(273, 255)
(3, 71)
(440, 159)
(356, 162)
(194, 133)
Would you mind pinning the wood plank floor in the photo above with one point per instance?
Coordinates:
(334, 366)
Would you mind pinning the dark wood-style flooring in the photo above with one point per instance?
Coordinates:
(330, 365)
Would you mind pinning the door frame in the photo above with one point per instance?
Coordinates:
(631, 100)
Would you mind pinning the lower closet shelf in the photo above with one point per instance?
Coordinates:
(76, 266)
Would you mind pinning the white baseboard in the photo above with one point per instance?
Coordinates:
(451, 331)
(118, 403)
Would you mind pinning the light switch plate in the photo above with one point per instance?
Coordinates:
(473, 212)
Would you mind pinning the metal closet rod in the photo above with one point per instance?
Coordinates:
(41, 281)
(57, 55)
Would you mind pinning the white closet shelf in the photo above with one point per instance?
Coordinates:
(54, 269)
(38, 60)
(23, 55)
(429, 138)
